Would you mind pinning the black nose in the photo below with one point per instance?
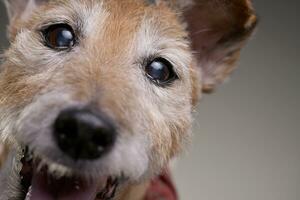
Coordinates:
(82, 134)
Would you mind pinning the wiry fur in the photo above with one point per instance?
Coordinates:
(105, 71)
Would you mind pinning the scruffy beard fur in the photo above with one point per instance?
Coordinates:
(105, 71)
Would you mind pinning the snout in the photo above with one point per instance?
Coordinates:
(83, 134)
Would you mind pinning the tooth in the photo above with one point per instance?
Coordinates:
(28, 195)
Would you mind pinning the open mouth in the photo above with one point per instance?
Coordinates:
(38, 184)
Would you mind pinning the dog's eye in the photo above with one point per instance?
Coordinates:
(59, 36)
(160, 71)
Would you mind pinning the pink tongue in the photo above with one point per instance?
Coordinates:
(60, 189)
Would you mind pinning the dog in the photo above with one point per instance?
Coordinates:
(97, 96)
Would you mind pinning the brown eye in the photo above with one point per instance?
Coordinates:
(59, 36)
(160, 71)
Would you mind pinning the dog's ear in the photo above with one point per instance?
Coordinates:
(20, 10)
(218, 29)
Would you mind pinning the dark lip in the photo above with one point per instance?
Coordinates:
(26, 172)
(109, 192)
(26, 175)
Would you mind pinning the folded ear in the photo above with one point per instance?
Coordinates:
(20, 10)
(218, 29)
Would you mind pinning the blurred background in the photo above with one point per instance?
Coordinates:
(246, 143)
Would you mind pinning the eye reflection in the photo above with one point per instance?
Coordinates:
(160, 71)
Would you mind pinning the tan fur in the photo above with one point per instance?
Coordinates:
(133, 192)
(105, 71)
(3, 154)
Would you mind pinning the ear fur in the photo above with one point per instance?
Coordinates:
(218, 29)
(20, 10)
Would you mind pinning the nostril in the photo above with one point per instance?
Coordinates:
(83, 134)
(102, 138)
(66, 126)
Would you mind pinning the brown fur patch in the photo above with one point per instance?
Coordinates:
(219, 29)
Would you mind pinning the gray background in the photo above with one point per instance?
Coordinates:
(246, 143)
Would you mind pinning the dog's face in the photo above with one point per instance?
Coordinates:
(99, 91)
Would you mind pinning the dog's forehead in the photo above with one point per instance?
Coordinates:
(131, 12)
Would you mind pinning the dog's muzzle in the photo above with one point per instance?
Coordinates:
(82, 135)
